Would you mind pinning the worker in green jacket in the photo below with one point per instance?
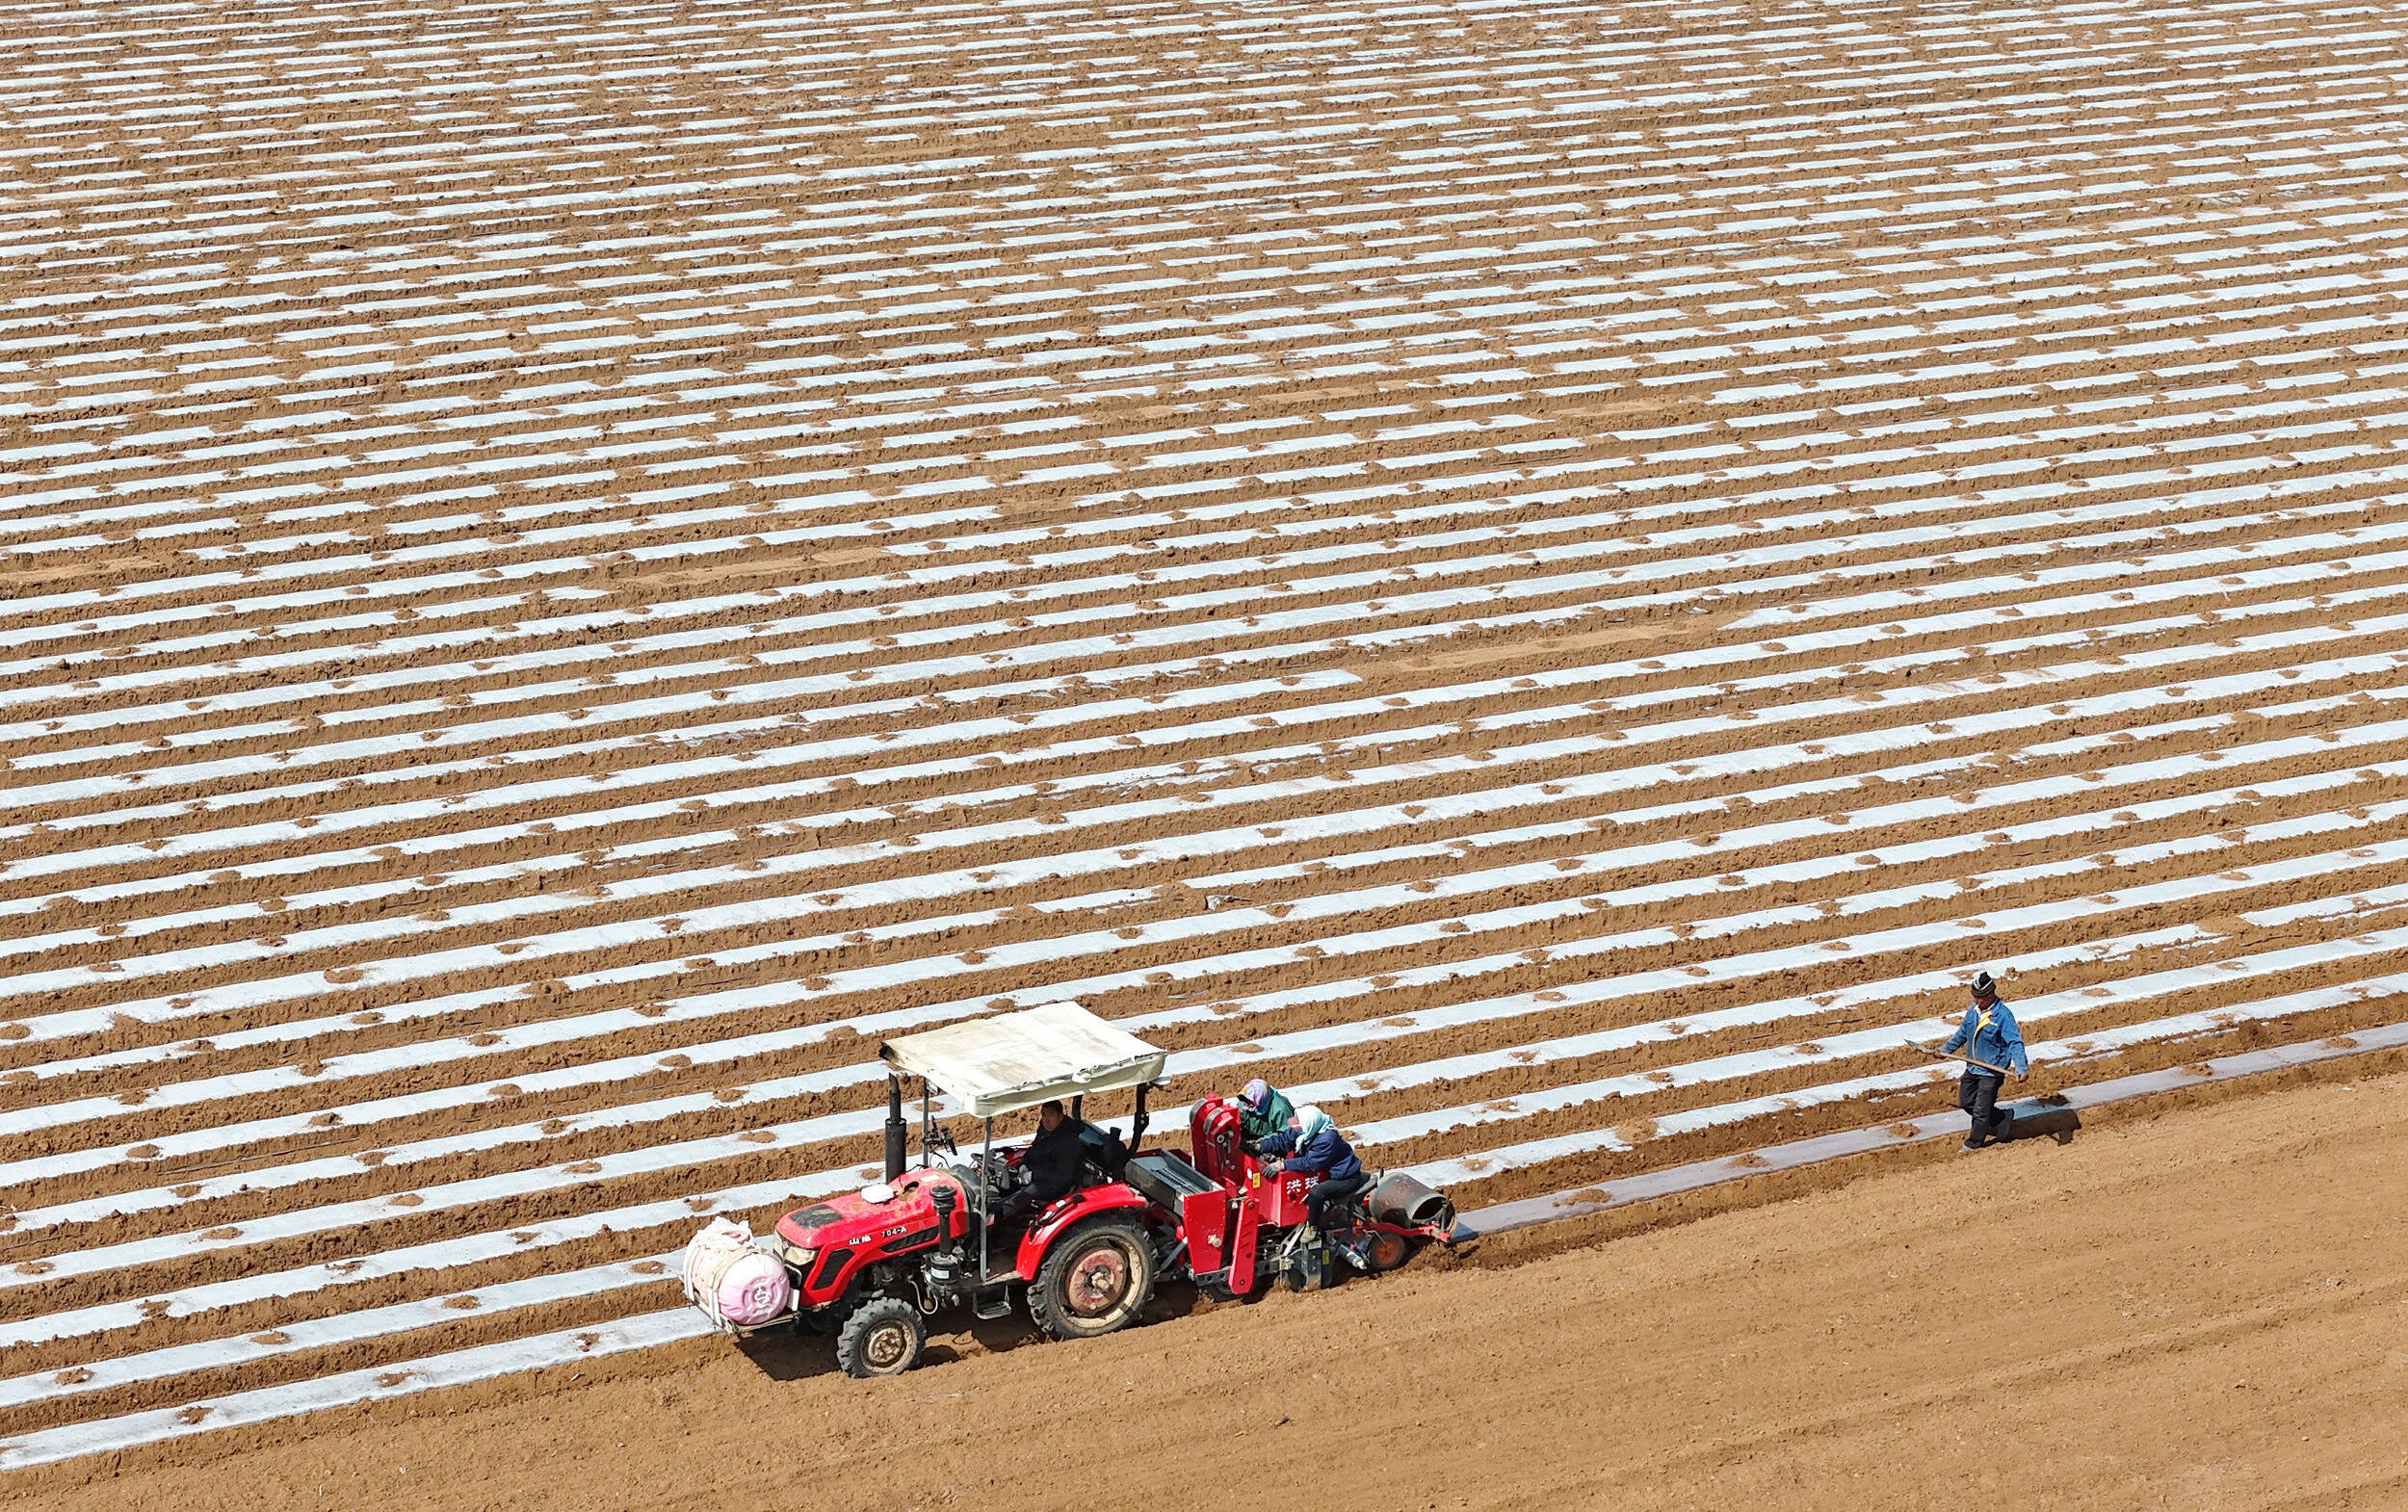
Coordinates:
(1261, 1112)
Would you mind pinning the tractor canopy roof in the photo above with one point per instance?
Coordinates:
(1017, 1061)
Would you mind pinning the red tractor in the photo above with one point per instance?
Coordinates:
(871, 1266)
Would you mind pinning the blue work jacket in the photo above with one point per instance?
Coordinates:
(1326, 1151)
(1990, 1034)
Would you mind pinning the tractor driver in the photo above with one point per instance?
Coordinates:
(1315, 1144)
(1052, 1164)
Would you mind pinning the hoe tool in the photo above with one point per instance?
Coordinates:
(1949, 1055)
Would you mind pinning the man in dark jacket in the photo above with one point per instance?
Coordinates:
(1988, 1036)
(1053, 1163)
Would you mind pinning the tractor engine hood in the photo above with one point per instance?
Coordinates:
(854, 1218)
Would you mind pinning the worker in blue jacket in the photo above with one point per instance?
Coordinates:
(1993, 1046)
(1315, 1145)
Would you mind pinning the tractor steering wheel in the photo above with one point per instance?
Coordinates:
(1001, 1176)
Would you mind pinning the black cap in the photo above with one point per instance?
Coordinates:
(1983, 986)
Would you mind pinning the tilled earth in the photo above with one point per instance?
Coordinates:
(2201, 1310)
(1551, 578)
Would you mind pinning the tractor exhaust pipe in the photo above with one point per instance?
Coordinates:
(895, 1131)
(1406, 1203)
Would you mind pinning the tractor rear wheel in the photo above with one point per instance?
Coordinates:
(1093, 1278)
(882, 1337)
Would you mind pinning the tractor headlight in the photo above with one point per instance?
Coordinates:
(800, 1258)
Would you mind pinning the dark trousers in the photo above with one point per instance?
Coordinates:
(1978, 1094)
(1026, 1203)
(1330, 1194)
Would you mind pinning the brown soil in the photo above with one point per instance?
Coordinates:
(683, 533)
(2202, 1309)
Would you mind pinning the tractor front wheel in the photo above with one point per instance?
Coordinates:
(882, 1337)
(1093, 1278)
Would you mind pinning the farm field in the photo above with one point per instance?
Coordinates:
(2200, 1310)
(1551, 578)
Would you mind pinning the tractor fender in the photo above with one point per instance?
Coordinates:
(1111, 1197)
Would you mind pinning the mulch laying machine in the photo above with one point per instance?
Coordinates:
(872, 1266)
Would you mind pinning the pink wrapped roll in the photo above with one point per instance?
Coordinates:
(729, 1277)
(753, 1290)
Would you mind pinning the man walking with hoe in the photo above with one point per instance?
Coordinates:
(1990, 1047)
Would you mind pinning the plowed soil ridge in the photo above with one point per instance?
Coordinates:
(1550, 579)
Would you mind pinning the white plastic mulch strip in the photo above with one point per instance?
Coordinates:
(53, 1115)
(654, 1329)
(473, 1192)
(1666, 1181)
(769, 912)
(340, 1328)
(351, 1387)
(236, 1085)
(2353, 669)
(1612, 1141)
(1361, 821)
(1094, 654)
(1412, 563)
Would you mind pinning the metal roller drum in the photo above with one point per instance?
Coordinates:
(1407, 1203)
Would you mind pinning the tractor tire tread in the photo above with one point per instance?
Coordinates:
(853, 1338)
(1054, 1317)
